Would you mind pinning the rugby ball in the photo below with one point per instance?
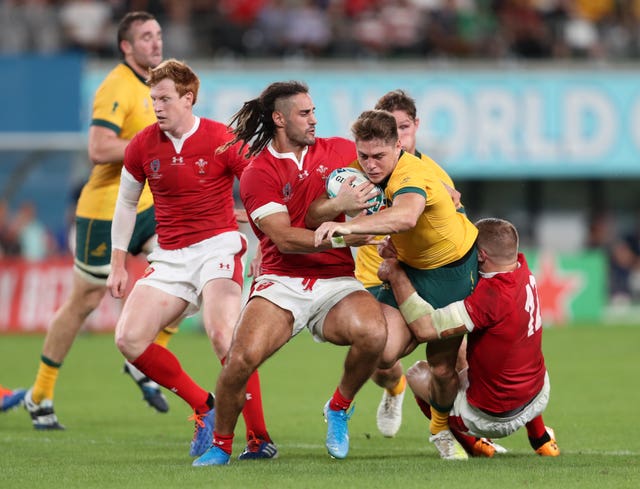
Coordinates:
(341, 175)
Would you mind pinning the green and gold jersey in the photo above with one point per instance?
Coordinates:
(441, 236)
(367, 258)
(122, 103)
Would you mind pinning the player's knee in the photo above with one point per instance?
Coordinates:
(442, 371)
(371, 336)
(128, 343)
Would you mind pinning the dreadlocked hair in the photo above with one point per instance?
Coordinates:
(253, 124)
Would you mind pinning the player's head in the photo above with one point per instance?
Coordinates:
(497, 242)
(140, 40)
(403, 108)
(376, 135)
(282, 106)
(174, 91)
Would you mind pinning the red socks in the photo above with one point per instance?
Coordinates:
(339, 402)
(162, 366)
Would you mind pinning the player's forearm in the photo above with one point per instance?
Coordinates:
(124, 215)
(298, 240)
(387, 221)
(321, 210)
(118, 259)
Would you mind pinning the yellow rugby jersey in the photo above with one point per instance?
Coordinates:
(367, 258)
(122, 103)
(441, 236)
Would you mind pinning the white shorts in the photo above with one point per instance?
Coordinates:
(309, 300)
(478, 423)
(184, 272)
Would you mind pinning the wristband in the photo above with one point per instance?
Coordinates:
(338, 242)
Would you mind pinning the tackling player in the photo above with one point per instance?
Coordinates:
(506, 385)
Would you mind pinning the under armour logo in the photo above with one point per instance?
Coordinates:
(222, 266)
(177, 160)
(302, 175)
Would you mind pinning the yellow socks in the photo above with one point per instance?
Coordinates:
(399, 387)
(164, 336)
(45, 382)
(439, 421)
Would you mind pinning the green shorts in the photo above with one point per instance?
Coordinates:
(375, 289)
(440, 286)
(93, 242)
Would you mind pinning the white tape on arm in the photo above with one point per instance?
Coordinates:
(451, 317)
(414, 307)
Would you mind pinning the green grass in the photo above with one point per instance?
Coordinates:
(113, 440)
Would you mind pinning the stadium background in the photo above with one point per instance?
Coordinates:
(531, 106)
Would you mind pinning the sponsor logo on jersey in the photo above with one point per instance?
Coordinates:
(303, 174)
(224, 266)
(177, 160)
(100, 250)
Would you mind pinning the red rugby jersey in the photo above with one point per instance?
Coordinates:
(278, 179)
(506, 365)
(192, 186)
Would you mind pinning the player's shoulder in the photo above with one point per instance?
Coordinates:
(336, 146)
(150, 132)
(213, 125)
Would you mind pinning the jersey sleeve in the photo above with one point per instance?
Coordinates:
(410, 176)
(110, 106)
(133, 160)
(259, 193)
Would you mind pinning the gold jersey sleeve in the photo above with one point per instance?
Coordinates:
(123, 104)
(442, 235)
(367, 258)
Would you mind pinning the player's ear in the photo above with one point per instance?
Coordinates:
(278, 118)
(482, 255)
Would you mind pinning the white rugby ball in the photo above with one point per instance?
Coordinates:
(341, 175)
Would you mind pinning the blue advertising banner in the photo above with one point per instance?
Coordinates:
(478, 124)
(40, 93)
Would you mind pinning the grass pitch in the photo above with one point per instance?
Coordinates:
(114, 440)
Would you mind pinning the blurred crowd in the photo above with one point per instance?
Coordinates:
(468, 29)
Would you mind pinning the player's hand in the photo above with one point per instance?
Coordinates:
(386, 248)
(117, 282)
(254, 265)
(327, 230)
(388, 269)
(241, 215)
(354, 200)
